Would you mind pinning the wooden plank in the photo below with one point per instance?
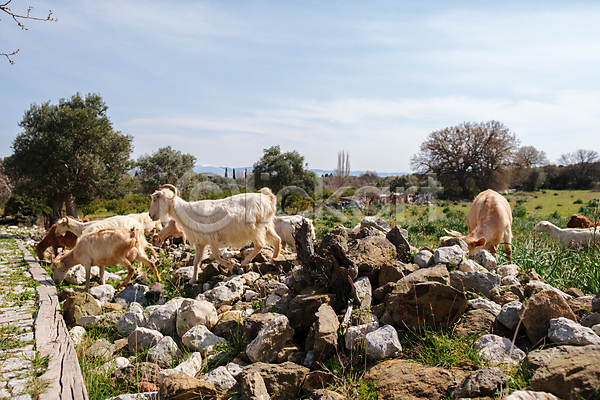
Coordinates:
(52, 339)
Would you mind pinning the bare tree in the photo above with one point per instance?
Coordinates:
(468, 155)
(583, 164)
(529, 157)
(342, 172)
(18, 18)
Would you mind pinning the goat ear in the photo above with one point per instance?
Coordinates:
(479, 242)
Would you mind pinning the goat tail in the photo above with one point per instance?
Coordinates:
(267, 192)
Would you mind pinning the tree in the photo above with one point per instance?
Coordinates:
(529, 157)
(582, 164)
(341, 174)
(18, 19)
(69, 152)
(526, 173)
(278, 170)
(470, 155)
(163, 166)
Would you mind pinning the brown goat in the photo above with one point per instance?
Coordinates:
(51, 239)
(172, 230)
(579, 221)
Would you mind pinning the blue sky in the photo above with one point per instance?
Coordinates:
(223, 80)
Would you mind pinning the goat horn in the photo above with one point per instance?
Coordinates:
(169, 186)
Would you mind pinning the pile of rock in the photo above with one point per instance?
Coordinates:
(290, 318)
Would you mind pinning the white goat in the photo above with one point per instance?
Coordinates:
(571, 236)
(144, 219)
(233, 221)
(120, 221)
(105, 247)
(286, 225)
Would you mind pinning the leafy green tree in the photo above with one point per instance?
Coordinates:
(278, 170)
(69, 153)
(163, 166)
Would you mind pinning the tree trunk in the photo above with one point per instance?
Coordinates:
(57, 203)
(70, 205)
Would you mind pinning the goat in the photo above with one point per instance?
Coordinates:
(172, 230)
(579, 221)
(489, 223)
(569, 237)
(144, 219)
(233, 221)
(51, 239)
(104, 247)
(120, 221)
(285, 226)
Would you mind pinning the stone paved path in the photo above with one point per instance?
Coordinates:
(17, 306)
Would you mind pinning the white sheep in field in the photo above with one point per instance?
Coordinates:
(233, 221)
(105, 247)
(68, 224)
(286, 225)
(571, 236)
(144, 219)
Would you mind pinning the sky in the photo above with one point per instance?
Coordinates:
(223, 80)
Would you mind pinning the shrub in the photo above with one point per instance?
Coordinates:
(519, 211)
(578, 201)
(25, 209)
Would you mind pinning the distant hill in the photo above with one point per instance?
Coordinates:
(220, 171)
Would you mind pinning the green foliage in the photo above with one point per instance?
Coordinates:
(130, 204)
(26, 209)
(69, 150)
(578, 201)
(163, 166)
(278, 170)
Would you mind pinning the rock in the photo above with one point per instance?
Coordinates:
(509, 315)
(452, 255)
(501, 296)
(534, 286)
(76, 334)
(537, 312)
(483, 382)
(235, 369)
(363, 292)
(226, 292)
(369, 253)
(195, 312)
(76, 275)
(190, 367)
(253, 387)
(303, 309)
(571, 377)
(80, 305)
(116, 363)
(132, 319)
(94, 320)
(324, 394)
(283, 381)
(538, 358)
(508, 270)
(133, 293)
(162, 317)
(429, 303)
(498, 350)
(478, 282)
(102, 349)
(250, 294)
(596, 329)
(220, 378)
(270, 339)
(530, 395)
(200, 338)
(322, 338)
(596, 303)
(355, 334)
(103, 293)
(155, 293)
(374, 222)
(475, 321)
(272, 300)
(437, 273)
(316, 380)
(179, 386)
(399, 238)
(406, 379)
(165, 352)
(471, 266)
(229, 325)
(423, 258)
(564, 330)
(394, 271)
(254, 323)
(485, 259)
(383, 343)
(448, 241)
(485, 304)
(129, 375)
(143, 338)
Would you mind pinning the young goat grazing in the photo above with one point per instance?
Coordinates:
(570, 237)
(579, 221)
(172, 230)
(105, 247)
(144, 219)
(51, 239)
(489, 223)
(233, 221)
(286, 225)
